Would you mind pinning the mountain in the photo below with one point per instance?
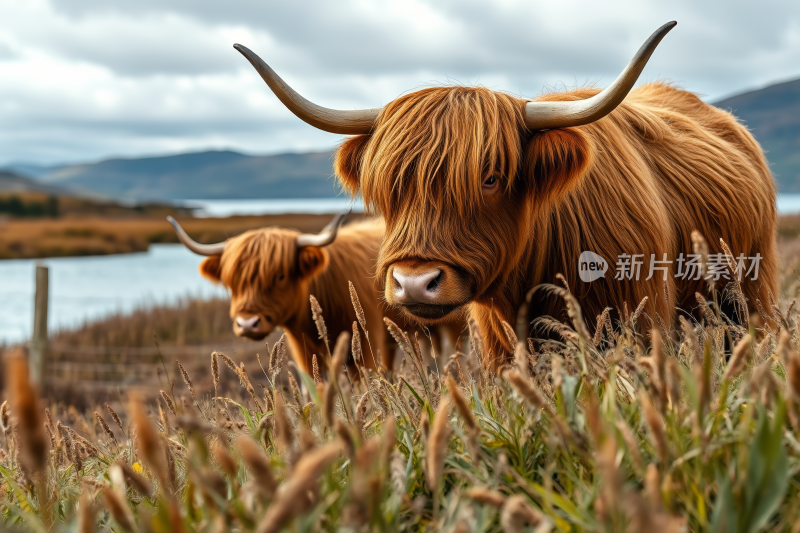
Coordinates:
(12, 182)
(773, 115)
(201, 175)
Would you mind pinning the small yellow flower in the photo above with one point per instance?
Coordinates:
(137, 467)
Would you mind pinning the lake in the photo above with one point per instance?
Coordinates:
(83, 288)
(313, 206)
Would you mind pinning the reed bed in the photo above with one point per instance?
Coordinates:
(638, 428)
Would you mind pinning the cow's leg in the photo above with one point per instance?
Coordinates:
(497, 351)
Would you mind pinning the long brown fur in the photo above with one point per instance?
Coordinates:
(640, 180)
(251, 267)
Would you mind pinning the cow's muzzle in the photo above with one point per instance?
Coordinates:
(254, 327)
(427, 291)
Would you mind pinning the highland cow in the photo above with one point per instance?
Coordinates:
(272, 272)
(486, 195)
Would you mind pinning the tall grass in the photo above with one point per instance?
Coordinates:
(189, 321)
(637, 429)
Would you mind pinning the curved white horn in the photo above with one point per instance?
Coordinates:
(353, 122)
(550, 115)
(196, 247)
(324, 237)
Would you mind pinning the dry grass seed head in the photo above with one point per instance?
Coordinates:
(793, 377)
(486, 496)
(296, 396)
(741, 353)
(137, 481)
(104, 425)
(329, 402)
(315, 370)
(692, 342)
(526, 389)
(119, 510)
(283, 428)
(511, 335)
(397, 472)
(763, 384)
(343, 430)
(215, 370)
(639, 310)
(292, 498)
(521, 361)
(362, 409)
(437, 445)
(150, 446)
(631, 443)
(86, 513)
(785, 347)
(657, 430)
(340, 352)
(357, 306)
(517, 512)
(115, 417)
(316, 314)
(169, 402)
(5, 416)
(462, 405)
(25, 405)
(258, 464)
(226, 462)
(358, 354)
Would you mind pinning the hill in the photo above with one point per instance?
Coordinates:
(773, 115)
(14, 183)
(201, 175)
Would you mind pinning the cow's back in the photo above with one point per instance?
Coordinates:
(665, 163)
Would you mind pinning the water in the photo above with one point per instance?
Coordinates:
(83, 288)
(788, 204)
(226, 208)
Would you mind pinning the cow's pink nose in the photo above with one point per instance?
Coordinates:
(248, 324)
(417, 287)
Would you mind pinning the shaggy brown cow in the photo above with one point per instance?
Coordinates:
(271, 272)
(486, 195)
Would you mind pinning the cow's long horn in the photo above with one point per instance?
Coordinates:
(196, 247)
(353, 122)
(549, 115)
(324, 237)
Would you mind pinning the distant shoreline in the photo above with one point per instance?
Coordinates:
(90, 236)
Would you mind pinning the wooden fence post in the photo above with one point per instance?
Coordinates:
(38, 352)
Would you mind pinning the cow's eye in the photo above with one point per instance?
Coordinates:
(280, 277)
(491, 184)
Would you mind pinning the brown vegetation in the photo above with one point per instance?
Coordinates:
(97, 235)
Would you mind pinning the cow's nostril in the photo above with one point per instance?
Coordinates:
(255, 322)
(434, 283)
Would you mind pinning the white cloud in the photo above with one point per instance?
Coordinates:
(84, 79)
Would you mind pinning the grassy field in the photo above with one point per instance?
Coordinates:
(638, 428)
(634, 429)
(101, 235)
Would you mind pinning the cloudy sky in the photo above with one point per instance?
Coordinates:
(82, 80)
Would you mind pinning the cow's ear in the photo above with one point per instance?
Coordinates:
(311, 260)
(348, 162)
(210, 268)
(555, 161)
